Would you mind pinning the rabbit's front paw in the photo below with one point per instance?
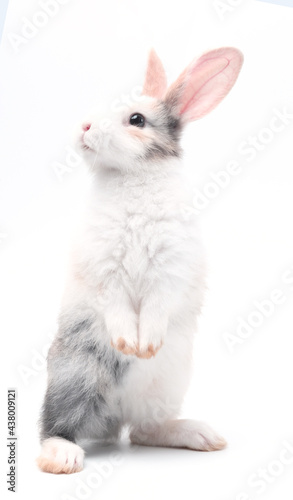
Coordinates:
(146, 348)
(145, 351)
(125, 346)
(151, 337)
(143, 342)
(148, 351)
(123, 331)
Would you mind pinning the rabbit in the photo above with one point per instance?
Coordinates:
(122, 355)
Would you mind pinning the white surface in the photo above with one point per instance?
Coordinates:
(92, 52)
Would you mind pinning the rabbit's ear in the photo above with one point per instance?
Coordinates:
(155, 84)
(204, 83)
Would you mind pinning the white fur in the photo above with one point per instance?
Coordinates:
(60, 456)
(180, 433)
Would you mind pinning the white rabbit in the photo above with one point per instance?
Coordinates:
(123, 352)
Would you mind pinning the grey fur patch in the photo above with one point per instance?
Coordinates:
(119, 370)
(84, 324)
(168, 131)
(82, 374)
(157, 151)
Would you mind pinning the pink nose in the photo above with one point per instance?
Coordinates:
(86, 126)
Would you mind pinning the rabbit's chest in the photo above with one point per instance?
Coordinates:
(144, 243)
(146, 240)
(137, 238)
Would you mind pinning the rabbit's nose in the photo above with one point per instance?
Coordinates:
(86, 126)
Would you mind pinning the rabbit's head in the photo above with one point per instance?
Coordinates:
(147, 132)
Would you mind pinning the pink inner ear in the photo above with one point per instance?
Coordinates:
(155, 81)
(206, 82)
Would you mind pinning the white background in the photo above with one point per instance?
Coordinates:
(92, 52)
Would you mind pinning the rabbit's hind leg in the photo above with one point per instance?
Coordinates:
(189, 434)
(80, 401)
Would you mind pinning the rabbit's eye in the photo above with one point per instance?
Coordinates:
(137, 120)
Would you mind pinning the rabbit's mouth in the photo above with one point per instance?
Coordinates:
(86, 143)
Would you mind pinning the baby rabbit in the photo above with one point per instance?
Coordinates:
(122, 355)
